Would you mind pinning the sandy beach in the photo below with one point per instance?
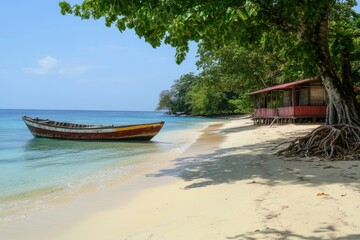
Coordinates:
(227, 185)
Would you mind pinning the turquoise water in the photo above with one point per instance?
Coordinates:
(32, 169)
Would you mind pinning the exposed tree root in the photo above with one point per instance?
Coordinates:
(336, 142)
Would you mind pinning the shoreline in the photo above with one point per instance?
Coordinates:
(166, 146)
(127, 183)
(226, 185)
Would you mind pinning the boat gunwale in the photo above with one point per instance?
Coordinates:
(89, 127)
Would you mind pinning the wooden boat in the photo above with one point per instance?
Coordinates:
(62, 130)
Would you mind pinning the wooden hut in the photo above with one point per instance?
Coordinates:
(296, 101)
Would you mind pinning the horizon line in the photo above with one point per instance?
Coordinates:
(104, 110)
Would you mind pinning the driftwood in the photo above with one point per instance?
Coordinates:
(340, 141)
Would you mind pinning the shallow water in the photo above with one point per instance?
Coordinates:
(36, 171)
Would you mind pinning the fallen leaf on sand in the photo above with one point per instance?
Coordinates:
(322, 194)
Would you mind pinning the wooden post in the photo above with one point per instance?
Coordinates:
(264, 100)
(293, 100)
(271, 100)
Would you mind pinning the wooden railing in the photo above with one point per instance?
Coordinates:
(264, 112)
(310, 111)
(286, 112)
(290, 112)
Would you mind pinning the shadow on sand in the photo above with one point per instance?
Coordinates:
(258, 164)
(275, 234)
(258, 161)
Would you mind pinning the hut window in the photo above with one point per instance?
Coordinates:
(303, 97)
(287, 98)
(317, 96)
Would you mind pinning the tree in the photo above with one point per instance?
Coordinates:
(175, 99)
(179, 89)
(299, 28)
(210, 99)
(228, 74)
(165, 101)
(242, 70)
(206, 100)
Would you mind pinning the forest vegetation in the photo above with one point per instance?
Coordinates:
(250, 44)
(227, 75)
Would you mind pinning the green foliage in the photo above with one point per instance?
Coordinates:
(235, 71)
(244, 44)
(243, 104)
(215, 23)
(175, 99)
(270, 25)
(344, 36)
(252, 68)
(228, 74)
(165, 101)
(206, 99)
(179, 90)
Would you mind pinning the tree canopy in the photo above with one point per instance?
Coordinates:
(300, 32)
(227, 75)
(311, 36)
(174, 99)
(215, 23)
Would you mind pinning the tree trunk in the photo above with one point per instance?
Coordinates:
(340, 92)
(331, 116)
(340, 139)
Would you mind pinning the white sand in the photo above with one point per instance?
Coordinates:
(228, 185)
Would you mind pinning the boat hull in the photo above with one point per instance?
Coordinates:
(140, 132)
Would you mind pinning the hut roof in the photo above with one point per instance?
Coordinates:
(285, 86)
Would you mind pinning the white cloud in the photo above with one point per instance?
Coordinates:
(50, 65)
(45, 66)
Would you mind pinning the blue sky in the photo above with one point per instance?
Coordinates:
(50, 61)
